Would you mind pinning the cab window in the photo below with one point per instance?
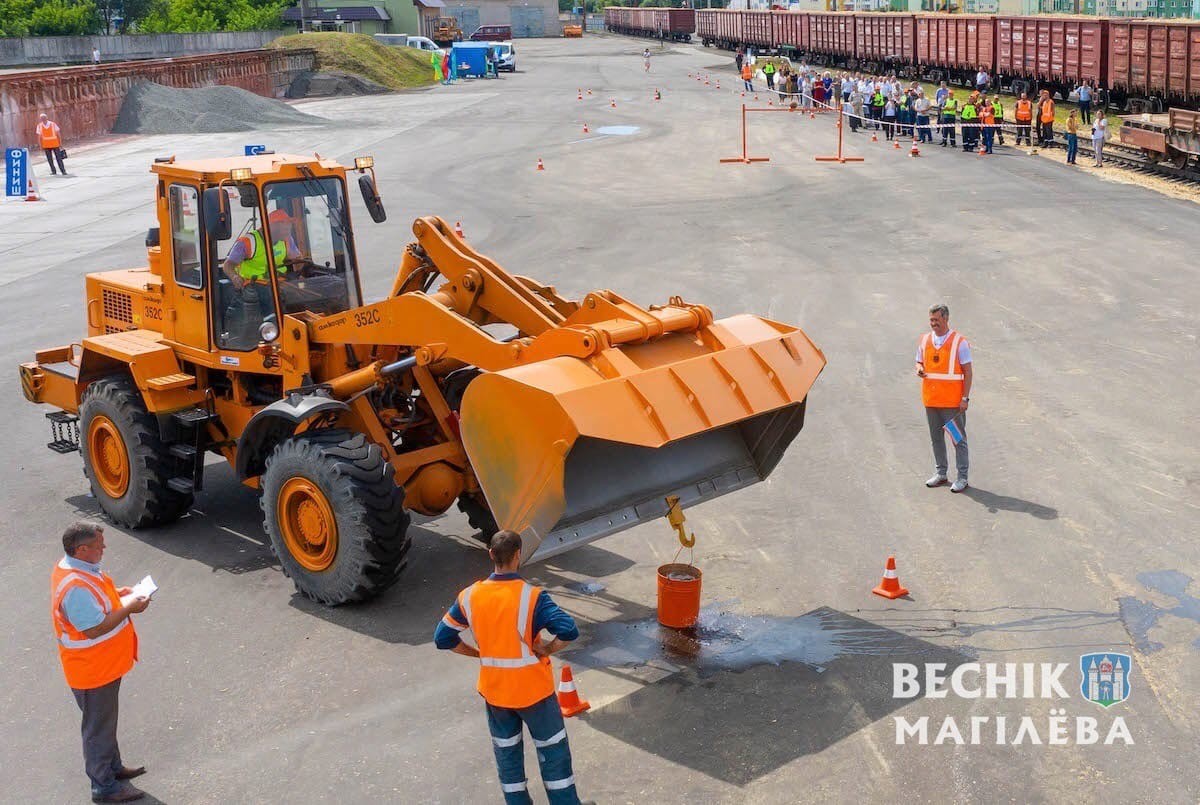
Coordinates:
(185, 235)
(241, 274)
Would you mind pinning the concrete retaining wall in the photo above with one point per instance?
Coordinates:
(30, 51)
(85, 101)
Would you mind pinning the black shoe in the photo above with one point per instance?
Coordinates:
(126, 793)
(126, 773)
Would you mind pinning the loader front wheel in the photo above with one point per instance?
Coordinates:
(335, 516)
(479, 516)
(124, 458)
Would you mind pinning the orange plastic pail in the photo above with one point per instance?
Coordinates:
(678, 595)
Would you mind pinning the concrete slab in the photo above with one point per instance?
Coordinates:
(1076, 537)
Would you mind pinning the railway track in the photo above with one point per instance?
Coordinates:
(1136, 159)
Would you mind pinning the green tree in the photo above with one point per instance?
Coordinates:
(14, 17)
(62, 18)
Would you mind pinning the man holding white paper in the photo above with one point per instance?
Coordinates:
(945, 368)
(97, 645)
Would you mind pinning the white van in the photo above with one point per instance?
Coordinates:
(406, 41)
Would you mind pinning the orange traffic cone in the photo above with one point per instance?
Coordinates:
(585, 128)
(31, 193)
(579, 97)
(896, 143)
(914, 151)
(540, 166)
(718, 83)
(589, 92)
(874, 137)
(612, 103)
(812, 115)
(756, 96)
(743, 93)
(568, 698)
(889, 586)
(982, 150)
(770, 102)
(458, 229)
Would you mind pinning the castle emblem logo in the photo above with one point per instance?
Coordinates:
(1105, 677)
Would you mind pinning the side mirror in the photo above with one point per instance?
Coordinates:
(217, 221)
(366, 183)
(152, 237)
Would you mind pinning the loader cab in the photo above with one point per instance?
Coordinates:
(288, 251)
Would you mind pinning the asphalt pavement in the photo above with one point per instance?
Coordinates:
(1077, 535)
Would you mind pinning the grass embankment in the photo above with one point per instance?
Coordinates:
(394, 68)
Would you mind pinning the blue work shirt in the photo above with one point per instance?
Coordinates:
(79, 605)
(1085, 93)
(546, 615)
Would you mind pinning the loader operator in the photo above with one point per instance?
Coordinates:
(246, 267)
(515, 677)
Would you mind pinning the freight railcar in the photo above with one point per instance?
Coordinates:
(676, 24)
(1153, 63)
(952, 47)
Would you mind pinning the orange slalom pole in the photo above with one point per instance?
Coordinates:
(840, 159)
(745, 158)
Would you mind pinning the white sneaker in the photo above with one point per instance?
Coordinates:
(959, 485)
(936, 480)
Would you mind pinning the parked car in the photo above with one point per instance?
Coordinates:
(506, 56)
(406, 41)
(492, 33)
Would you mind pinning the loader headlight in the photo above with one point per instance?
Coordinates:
(362, 163)
(240, 174)
(268, 331)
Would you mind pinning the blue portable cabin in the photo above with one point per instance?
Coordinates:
(470, 58)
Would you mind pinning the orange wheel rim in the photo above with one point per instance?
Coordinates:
(109, 458)
(307, 523)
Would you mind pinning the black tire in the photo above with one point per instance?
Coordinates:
(368, 507)
(147, 500)
(479, 516)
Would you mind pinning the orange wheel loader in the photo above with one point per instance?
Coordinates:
(246, 336)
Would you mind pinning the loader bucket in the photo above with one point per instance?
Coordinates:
(569, 450)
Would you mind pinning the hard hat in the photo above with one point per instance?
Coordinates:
(279, 217)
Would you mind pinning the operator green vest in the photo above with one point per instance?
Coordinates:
(968, 112)
(768, 69)
(254, 267)
(997, 110)
(951, 107)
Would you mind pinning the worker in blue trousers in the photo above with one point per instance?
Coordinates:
(506, 614)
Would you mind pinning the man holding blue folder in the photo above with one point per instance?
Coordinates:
(944, 366)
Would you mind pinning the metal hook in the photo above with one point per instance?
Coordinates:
(676, 519)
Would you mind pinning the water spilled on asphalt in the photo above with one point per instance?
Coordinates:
(725, 640)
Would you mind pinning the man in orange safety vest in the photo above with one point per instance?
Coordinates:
(97, 646)
(50, 141)
(944, 366)
(506, 614)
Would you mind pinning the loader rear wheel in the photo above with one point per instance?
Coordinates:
(124, 458)
(335, 516)
(479, 516)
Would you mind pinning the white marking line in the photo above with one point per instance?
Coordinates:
(1155, 491)
(243, 536)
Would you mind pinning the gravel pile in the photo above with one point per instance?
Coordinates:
(333, 84)
(154, 109)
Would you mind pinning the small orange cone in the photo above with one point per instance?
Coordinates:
(579, 97)
(914, 151)
(896, 143)
(812, 115)
(612, 103)
(756, 96)
(585, 128)
(982, 150)
(568, 698)
(589, 92)
(874, 137)
(540, 166)
(30, 191)
(743, 93)
(889, 586)
(770, 102)
(458, 229)
(718, 83)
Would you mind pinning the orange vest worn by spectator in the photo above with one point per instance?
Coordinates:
(942, 386)
(1024, 111)
(90, 662)
(500, 614)
(48, 135)
(1047, 111)
(747, 72)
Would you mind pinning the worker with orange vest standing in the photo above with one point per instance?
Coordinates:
(1024, 118)
(748, 76)
(506, 614)
(1046, 120)
(50, 140)
(97, 645)
(944, 366)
